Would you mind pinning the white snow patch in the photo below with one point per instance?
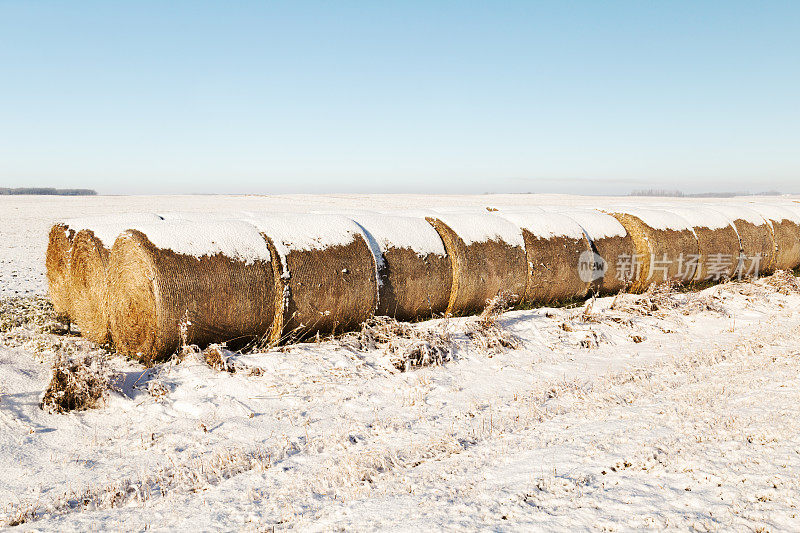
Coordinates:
(235, 239)
(108, 227)
(655, 218)
(699, 216)
(475, 228)
(596, 225)
(545, 225)
(738, 212)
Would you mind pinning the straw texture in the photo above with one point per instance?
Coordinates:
(88, 268)
(327, 270)
(217, 297)
(755, 237)
(484, 267)
(414, 273)
(59, 246)
(663, 242)
(554, 245)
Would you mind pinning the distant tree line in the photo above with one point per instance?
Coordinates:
(47, 191)
(679, 194)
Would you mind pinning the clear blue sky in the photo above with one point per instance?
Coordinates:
(336, 96)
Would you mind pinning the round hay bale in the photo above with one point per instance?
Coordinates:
(328, 274)
(59, 250)
(214, 280)
(609, 241)
(59, 245)
(554, 246)
(717, 240)
(87, 276)
(785, 232)
(487, 256)
(414, 273)
(665, 245)
(755, 237)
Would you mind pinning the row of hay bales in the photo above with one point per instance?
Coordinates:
(150, 282)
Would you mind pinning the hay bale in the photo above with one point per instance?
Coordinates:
(59, 245)
(755, 237)
(414, 273)
(609, 240)
(327, 272)
(487, 255)
(717, 240)
(87, 276)
(785, 233)
(212, 280)
(554, 246)
(664, 243)
(59, 250)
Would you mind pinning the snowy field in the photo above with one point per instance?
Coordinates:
(671, 410)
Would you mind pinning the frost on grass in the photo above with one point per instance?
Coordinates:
(668, 296)
(784, 282)
(407, 345)
(34, 313)
(76, 384)
(486, 333)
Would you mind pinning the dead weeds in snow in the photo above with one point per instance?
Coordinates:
(407, 345)
(486, 333)
(77, 384)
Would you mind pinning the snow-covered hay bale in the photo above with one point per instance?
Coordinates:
(664, 242)
(755, 237)
(554, 246)
(718, 242)
(414, 273)
(205, 282)
(487, 255)
(785, 232)
(59, 244)
(59, 251)
(610, 241)
(328, 274)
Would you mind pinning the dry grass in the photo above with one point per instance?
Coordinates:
(35, 313)
(486, 333)
(408, 346)
(784, 282)
(77, 384)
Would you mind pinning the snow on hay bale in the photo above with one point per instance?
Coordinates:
(192, 282)
(59, 250)
(755, 238)
(487, 256)
(414, 273)
(785, 232)
(718, 242)
(664, 244)
(610, 241)
(554, 246)
(327, 272)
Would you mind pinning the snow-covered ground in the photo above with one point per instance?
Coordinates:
(625, 414)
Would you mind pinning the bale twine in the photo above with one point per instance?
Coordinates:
(554, 246)
(664, 245)
(327, 271)
(718, 242)
(785, 233)
(487, 257)
(212, 280)
(59, 244)
(414, 273)
(755, 237)
(610, 241)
